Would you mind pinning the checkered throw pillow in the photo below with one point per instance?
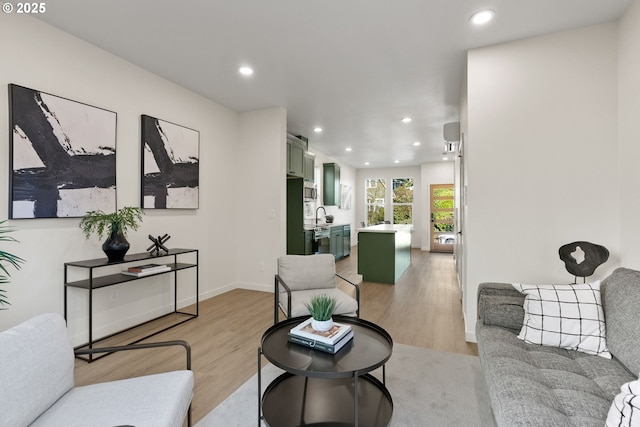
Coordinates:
(565, 316)
(625, 409)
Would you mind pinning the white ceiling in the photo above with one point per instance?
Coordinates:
(353, 67)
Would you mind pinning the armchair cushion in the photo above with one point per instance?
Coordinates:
(345, 304)
(302, 276)
(301, 272)
(148, 401)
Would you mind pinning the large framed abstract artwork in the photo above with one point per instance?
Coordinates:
(170, 165)
(62, 156)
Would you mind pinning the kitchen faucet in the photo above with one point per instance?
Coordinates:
(325, 212)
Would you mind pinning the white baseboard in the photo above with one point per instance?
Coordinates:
(255, 287)
(470, 337)
(215, 292)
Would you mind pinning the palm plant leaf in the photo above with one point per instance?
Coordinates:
(7, 260)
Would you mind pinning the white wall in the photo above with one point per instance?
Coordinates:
(629, 135)
(347, 177)
(431, 174)
(388, 174)
(261, 197)
(41, 57)
(541, 156)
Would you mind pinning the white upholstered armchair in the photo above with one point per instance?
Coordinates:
(302, 276)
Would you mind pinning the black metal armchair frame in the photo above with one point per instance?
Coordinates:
(181, 343)
(278, 281)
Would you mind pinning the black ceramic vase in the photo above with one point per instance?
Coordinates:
(116, 246)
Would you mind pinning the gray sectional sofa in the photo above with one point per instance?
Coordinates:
(535, 385)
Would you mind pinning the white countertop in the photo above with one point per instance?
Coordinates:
(323, 225)
(387, 228)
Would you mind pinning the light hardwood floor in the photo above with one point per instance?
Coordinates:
(423, 309)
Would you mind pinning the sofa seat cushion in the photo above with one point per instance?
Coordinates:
(147, 401)
(345, 305)
(535, 385)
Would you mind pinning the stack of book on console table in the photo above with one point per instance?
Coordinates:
(330, 341)
(146, 269)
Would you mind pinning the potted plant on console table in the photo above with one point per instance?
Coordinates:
(321, 307)
(115, 225)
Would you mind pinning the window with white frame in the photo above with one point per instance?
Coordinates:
(376, 191)
(403, 200)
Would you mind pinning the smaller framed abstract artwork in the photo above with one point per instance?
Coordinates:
(170, 165)
(62, 156)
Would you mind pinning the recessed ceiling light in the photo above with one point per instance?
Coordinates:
(366, 163)
(406, 119)
(347, 149)
(445, 158)
(416, 143)
(245, 71)
(317, 129)
(482, 17)
(396, 161)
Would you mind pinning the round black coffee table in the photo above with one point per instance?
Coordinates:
(323, 389)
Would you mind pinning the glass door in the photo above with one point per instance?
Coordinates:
(442, 208)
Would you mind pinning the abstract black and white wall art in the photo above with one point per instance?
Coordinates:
(62, 156)
(170, 165)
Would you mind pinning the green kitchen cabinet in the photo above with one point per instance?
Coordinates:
(346, 235)
(295, 217)
(384, 252)
(309, 166)
(295, 156)
(336, 242)
(331, 184)
(308, 242)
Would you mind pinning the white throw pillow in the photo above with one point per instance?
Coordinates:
(565, 316)
(625, 409)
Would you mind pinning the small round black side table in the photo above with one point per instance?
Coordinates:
(323, 389)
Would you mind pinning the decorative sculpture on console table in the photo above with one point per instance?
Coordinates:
(158, 244)
(593, 254)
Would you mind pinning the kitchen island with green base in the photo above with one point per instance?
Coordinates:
(384, 252)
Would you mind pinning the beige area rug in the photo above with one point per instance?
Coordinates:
(429, 388)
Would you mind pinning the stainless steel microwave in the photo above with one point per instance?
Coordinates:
(310, 191)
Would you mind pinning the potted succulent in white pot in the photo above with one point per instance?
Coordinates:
(114, 226)
(6, 260)
(321, 307)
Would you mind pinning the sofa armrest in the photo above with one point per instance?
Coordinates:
(500, 304)
(181, 343)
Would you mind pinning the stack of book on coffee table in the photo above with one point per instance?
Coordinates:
(146, 269)
(330, 341)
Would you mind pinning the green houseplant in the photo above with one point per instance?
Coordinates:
(7, 260)
(114, 226)
(321, 307)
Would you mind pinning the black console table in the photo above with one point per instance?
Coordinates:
(94, 282)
